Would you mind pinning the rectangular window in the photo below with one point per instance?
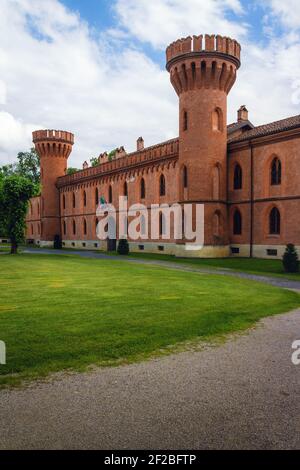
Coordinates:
(84, 245)
(272, 252)
(96, 245)
(161, 248)
(141, 247)
(235, 251)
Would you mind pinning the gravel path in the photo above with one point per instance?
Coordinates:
(274, 281)
(244, 394)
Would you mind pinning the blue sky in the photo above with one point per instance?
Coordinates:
(97, 67)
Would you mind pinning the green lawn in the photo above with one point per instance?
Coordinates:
(67, 312)
(268, 267)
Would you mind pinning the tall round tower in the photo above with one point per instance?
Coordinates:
(203, 71)
(54, 149)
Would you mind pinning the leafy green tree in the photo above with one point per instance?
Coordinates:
(15, 192)
(94, 161)
(71, 171)
(290, 259)
(28, 166)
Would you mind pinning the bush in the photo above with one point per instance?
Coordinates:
(123, 247)
(290, 259)
(57, 243)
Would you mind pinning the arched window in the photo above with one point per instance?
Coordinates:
(84, 198)
(276, 172)
(238, 177)
(64, 201)
(216, 181)
(162, 185)
(274, 221)
(84, 227)
(217, 120)
(96, 196)
(216, 224)
(125, 189)
(143, 189)
(64, 227)
(185, 177)
(74, 201)
(237, 223)
(110, 197)
(185, 121)
(74, 227)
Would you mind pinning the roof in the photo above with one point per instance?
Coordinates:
(235, 126)
(268, 129)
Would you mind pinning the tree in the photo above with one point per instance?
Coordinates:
(290, 259)
(94, 161)
(15, 193)
(71, 171)
(123, 247)
(28, 166)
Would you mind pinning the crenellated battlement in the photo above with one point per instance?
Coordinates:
(204, 45)
(51, 143)
(59, 136)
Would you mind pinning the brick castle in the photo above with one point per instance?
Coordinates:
(247, 177)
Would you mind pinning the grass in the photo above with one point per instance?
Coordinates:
(66, 312)
(249, 265)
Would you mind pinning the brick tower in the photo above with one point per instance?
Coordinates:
(203, 71)
(53, 148)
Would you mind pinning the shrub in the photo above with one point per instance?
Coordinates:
(290, 259)
(123, 247)
(57, 242)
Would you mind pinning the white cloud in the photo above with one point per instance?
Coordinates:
(160, 22)
(56, 74)
(286, 12)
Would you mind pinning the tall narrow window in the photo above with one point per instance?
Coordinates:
(64, 201)
(31, 229)
(74, 227)
(238, 177)
(162, 186)
(96, 196)
(74, 201)
(276, 172)
(237, 223)
(64, 228)
(217, 120)
(274, 221)
(84, 227)
(185, 121)
(125, 189)
(162, 224)
(185, 177)
(110, 197)
(84, 198)
(143, 189)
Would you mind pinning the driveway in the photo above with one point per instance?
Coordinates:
(244, 394)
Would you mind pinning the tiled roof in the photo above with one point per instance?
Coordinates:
(235, 126)
(268, 129)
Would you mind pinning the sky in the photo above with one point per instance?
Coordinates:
(97, 67)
